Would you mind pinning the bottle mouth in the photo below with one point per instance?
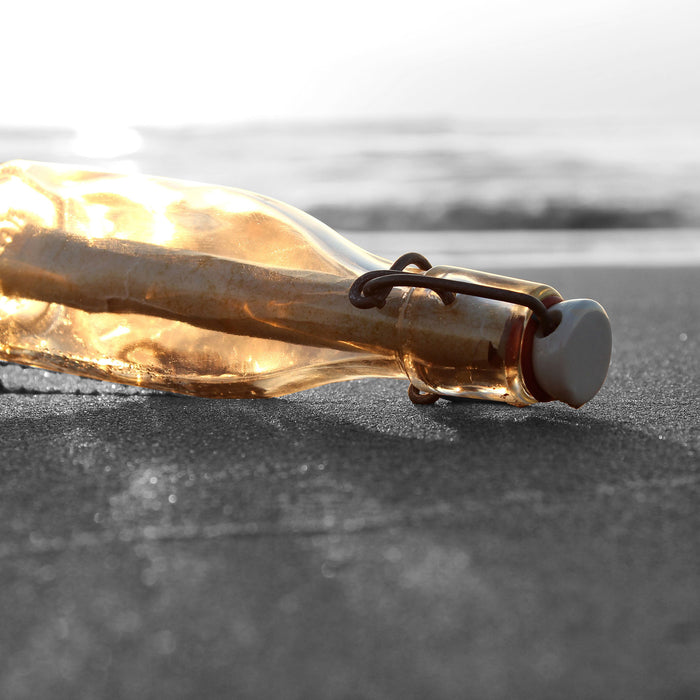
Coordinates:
(534, 326)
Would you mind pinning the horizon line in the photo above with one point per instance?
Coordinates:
(358, 120)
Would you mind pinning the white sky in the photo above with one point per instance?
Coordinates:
(81, 62)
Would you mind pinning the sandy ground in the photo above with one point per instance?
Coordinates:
(343, 543)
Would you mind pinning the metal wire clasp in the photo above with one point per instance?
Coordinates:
(371, 290)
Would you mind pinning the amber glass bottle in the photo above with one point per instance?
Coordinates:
(219, 292)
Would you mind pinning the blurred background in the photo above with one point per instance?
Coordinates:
(497, 132)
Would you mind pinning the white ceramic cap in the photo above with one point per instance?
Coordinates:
(571, 363)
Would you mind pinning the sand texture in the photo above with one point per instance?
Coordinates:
(344, 543)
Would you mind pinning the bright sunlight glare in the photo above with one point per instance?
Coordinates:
(132, 63)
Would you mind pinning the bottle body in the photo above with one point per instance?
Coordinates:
(213, 291)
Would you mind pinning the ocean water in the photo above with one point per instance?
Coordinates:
(578, 192)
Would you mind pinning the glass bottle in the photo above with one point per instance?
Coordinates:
(219, 292)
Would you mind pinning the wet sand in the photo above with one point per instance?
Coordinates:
(343, 543)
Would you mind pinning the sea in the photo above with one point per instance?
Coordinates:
(476, 193)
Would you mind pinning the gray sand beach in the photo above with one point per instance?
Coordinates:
(344, 543)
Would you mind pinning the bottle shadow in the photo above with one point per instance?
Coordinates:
(344, 457)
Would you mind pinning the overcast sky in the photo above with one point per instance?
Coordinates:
(80, 62)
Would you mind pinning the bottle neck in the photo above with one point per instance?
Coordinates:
(473, 347)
